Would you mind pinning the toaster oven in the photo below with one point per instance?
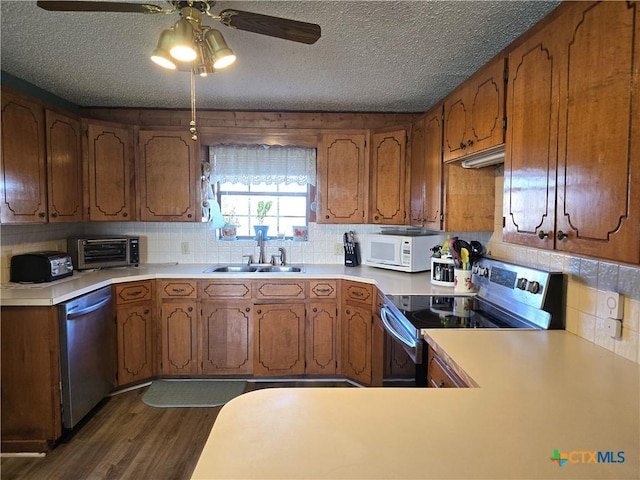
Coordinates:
(104, 251)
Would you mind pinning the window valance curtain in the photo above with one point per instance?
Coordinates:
(255, 164)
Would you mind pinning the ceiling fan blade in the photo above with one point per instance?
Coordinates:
(293, 30)
(97, 7)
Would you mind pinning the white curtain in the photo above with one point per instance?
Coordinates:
(255, 164)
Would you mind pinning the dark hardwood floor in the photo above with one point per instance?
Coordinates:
(126, 439)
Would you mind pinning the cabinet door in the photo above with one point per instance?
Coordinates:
(356, 343)
(64, 168)
(342, 180)
(226, 338)
(440, 375)
(388, 177)
(179, 337)
(279, 339)
(24, 178)
(322, 338)
(531, 154)
(168, 176)
(111, 179)
(598, 173)
(432, 208)
(417, 176)
(456, 107)
(135, 334)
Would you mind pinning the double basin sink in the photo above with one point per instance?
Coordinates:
(254, 268)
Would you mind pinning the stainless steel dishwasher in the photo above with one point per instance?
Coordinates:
(87, 353)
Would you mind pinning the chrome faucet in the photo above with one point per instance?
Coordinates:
(262, 245)
(283, 256)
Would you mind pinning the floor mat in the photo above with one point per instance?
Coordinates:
(192, 393)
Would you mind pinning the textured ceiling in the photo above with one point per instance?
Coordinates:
(385, 56)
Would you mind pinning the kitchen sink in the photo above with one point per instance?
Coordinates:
(254, 268)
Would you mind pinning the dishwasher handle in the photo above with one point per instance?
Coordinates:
(88, 309)
(384, 313)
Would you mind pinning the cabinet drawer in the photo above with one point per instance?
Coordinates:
(212, 289)
(278, 289)
(439, 375)
(178, 289)
(358, 292)
(323, 289)
(133, 292)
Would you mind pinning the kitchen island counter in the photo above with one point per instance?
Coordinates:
(539, 392)
(53, 293)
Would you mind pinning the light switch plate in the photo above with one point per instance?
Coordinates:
(613, 305)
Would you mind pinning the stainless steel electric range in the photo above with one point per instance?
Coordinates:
(509, 296)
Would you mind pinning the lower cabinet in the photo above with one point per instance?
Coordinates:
(179, 327)
(356, 330)
(440, 374)
(279, 339)
(321, 338)
(134, 313)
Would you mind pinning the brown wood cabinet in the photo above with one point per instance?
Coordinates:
(135, 315)
(440, 374)
(226, 327)
(426, 171)
(31, 412)
(388, 178)
(356, 330)
(64, 167)
(572, 168)
(179, 327)
(24, 185)
(110, 185)
(342, 177)
(167, 176)
(468, 199)
(321, 329)
(474, 113)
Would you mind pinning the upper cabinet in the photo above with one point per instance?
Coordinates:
(342, 177)
(167, 176)
(474, 113)
(110, 186)
(572, 167)
(388, 177)
(24, 172)
(41, 163)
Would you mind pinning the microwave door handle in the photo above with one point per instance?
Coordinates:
(383, 315)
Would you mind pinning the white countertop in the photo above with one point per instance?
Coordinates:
(53, 293)
(539, 391)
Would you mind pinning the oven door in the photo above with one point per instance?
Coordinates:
(402, 331)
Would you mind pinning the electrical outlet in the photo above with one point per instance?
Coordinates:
(186, 248)
(339, 249)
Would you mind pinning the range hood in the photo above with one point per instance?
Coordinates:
(485, 159)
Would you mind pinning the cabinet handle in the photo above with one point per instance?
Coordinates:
(348, 312)
(146, 311)
(190, 309)
(189, 215)
(134, 294)
(177, 290)
(258, 311)
(54, 214)
(441, 384)
(327, 217)
(376, 217)
(561, 235)
(462, 146)
(323, 290)
(315, 309)
(247, 309)
(125, 214)
(357, 294)
(542, 235)
(42, 214)
(470, 142)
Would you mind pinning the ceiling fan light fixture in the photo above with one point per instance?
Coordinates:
(220, 52)
(161, 54)
(182, 45)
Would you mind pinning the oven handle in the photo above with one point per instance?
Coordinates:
(384, 311)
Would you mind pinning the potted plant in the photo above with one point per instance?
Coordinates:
(231, 225)
(263, 209)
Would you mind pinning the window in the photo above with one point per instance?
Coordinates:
(244, 175)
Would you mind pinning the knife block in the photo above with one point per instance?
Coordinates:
(352, 255)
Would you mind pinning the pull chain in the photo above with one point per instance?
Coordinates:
(192, 124)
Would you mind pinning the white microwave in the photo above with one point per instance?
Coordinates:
(400, 252)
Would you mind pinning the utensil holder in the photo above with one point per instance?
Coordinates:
(442, 272)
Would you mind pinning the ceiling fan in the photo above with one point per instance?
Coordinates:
(191, 46)
(286, 29)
